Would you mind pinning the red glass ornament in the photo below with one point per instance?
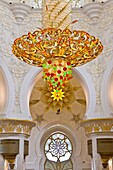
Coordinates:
(49, 62)
(59, 71)
(61, 77)
(52, 74)
(56, 79)
(60, 64)
(64, 68)
(48, 74)
(58, 84)
(68, 63)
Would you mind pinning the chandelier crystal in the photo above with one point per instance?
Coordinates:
(57, 50)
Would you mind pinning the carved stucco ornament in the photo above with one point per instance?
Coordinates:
(16, 126)
(98, 125)
(93, 10)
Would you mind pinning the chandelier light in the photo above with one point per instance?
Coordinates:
(56, 48)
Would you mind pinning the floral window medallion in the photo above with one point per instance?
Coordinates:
(58, 148)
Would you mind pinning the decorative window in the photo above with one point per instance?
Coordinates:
(58, 151)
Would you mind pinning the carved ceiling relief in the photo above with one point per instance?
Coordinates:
(32, 22)
(44, 109)
(11, 27)
(7, 18)
(82, 23)
(104, 32)
(100, 28)
(96, 69)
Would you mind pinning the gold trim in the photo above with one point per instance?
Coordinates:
(96, 119)
(16, 126)
(98, 125)
(5, 119)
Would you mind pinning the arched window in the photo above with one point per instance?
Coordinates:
(58, 151)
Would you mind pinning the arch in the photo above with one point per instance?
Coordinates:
(54, 127)
(81, 74)
(10, 89)
(26, 89)
(89, 90)
(105, 88)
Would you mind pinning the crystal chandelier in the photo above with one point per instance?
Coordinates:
(56, 48)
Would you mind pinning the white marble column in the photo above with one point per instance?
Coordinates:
(6, 165)
(94, 153)
(20, 164)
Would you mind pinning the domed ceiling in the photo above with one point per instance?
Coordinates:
(71, 108)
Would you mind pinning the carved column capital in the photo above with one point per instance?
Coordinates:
(98, 125)
(16, 126)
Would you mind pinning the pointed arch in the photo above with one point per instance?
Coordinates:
(81, 74)
(7, 112)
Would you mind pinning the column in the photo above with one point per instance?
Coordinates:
(94, 153)
(112, 164)
(20, 157)
(6, 165)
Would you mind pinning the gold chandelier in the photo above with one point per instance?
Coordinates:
(57, 50)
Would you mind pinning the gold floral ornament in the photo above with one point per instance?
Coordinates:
(78, 47)
(57, 94)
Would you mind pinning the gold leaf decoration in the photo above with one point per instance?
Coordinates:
(49, 103)
(81, 101)
(76, 88)
(39, 118)
(39, 88)
(76, 118)
(32, 102)
(69, 109)
(46, 109)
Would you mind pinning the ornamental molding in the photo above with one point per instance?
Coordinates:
(18, 69)
(16, 126)
(93, 10)
(99, 125)
(21, 9)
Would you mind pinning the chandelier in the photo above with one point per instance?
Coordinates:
(56, 48)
